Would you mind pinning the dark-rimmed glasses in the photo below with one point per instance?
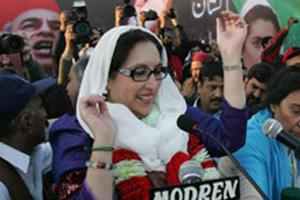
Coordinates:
(142, 73)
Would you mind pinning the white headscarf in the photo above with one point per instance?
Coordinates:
(154, 145)
(249, 4)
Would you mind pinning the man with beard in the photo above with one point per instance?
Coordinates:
(256, 83)
(41, 27)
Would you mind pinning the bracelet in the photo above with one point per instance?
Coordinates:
(232, 67)
(104, 148)
(99, 165)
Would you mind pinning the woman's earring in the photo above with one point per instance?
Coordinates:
(106, 94)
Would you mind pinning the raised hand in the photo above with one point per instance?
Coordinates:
(95, 114)
(63, 18)
(231, 34)
(119, 11)
(290, 22)
(163, 19)
(142, 18)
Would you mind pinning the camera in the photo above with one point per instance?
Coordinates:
(171, 14)
(10, 43)
(128, 9)
(77, 17)
(151, 15)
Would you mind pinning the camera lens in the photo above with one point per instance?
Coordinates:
(82, 28)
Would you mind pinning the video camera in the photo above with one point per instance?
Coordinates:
(10, 43)
(78, 17)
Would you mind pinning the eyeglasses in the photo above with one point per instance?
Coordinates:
(142, 73)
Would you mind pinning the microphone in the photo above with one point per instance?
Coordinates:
(273, 129)
(190, 172)
(187, 124)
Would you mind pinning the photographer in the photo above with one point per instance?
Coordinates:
(144, 16)
(125, 14)
(66, 58)
(176, 49)
(15, 54)
(81, 28)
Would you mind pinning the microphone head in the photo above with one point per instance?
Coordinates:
(185, 123)
(190, 172)
(272, 128)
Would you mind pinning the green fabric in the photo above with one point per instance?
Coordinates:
(153, 116)
(284, 10)
(127, 169)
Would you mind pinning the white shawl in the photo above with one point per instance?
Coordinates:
(154, 145)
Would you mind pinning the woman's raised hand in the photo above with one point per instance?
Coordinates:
(95, 114)
(231, 34)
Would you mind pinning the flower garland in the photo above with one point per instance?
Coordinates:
(131, 179)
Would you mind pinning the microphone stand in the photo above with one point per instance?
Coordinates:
(237, 164)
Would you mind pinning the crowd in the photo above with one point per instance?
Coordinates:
(87, 114)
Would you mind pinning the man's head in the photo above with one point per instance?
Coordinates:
(198, 60)
(291, 56)
(41, 27)
(210, 87)
(21, 109)
(256, 82)
(11, 46)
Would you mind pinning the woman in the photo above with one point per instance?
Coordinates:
(148, 143)
(271, 164)
(263, 22)
(128, 67)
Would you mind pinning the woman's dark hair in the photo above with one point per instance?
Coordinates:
(125, 44)
(262, 12)
(284, 83)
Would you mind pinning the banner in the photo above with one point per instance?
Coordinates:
(197, 16)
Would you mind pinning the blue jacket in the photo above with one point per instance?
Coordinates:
(265, 159)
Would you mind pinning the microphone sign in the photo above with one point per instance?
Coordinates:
(217, 189)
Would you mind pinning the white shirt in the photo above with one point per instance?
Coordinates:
(31, 168)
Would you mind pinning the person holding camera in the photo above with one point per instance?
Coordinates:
(66, 58)
(125, 14)
(81, 28)
(15, 54)
(177, 48)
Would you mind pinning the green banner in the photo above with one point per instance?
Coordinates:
(284, 10)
